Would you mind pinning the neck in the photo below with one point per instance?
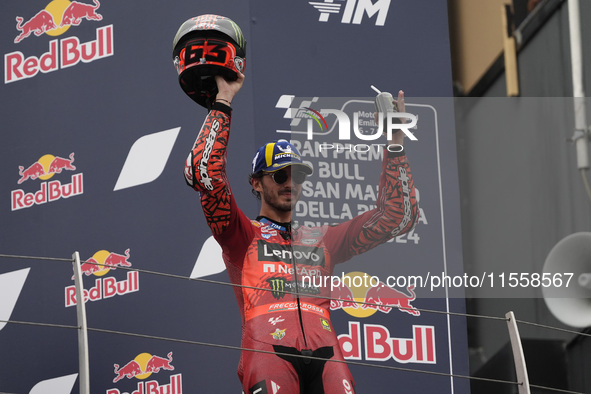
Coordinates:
(276, 216)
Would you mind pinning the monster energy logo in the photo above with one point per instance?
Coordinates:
(281, 286)
(240, 38)
(277, 287)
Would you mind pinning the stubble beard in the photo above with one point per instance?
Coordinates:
(273, 200)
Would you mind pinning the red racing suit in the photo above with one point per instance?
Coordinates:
(283, 301)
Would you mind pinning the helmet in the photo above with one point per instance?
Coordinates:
(206, 46)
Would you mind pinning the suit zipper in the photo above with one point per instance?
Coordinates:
(297, 291)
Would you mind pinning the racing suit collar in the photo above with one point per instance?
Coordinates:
(284, 227)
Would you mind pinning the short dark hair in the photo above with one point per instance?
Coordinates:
(251, 176)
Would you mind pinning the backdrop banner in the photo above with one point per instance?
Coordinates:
(96, 130)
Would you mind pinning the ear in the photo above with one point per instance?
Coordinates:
(257, 184)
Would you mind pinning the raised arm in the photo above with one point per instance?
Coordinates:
(397, 210)
(205, 168)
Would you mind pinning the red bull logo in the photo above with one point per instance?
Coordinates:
(175, 386)
(105, 288)
(379, 345)
(383, 298)
(103, 261)
(77, 11)
(39, 24)
(54, 20)
(99, 265)
(362, 298)
(44, 169)
(142, 367)
(342, 297)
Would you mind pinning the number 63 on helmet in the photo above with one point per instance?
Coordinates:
(206, 46)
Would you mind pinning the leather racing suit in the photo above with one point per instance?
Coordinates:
(280, 268)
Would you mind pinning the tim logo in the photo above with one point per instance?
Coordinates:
(353, 11)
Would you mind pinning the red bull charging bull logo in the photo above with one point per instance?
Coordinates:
(44, 169)
(99, 265)
(57, 18)
(363, 298)
(141, 368)
(54, 20)
(103, 261)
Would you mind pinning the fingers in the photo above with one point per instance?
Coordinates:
(228, 89)
(398, 106)
(399, 102)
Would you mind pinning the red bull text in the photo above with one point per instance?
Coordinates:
(380, 346)
(48, 192)
(153, 364)
(105, 288)
(63, 53)
(175, 386)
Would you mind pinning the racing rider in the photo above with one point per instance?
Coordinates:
(285, 325)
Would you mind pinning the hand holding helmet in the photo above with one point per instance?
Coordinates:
(228, 89)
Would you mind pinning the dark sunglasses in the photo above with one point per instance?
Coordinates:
(280, 177)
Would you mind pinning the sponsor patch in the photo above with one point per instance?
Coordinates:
(278, 334)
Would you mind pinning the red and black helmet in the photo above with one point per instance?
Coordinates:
(206, 46)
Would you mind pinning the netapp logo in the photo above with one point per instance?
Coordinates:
(303, 255)
(354, 10)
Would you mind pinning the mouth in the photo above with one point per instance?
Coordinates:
(289, 193)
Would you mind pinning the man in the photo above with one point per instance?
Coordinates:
(285, 323)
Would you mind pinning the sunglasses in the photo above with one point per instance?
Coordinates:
(281, 176)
